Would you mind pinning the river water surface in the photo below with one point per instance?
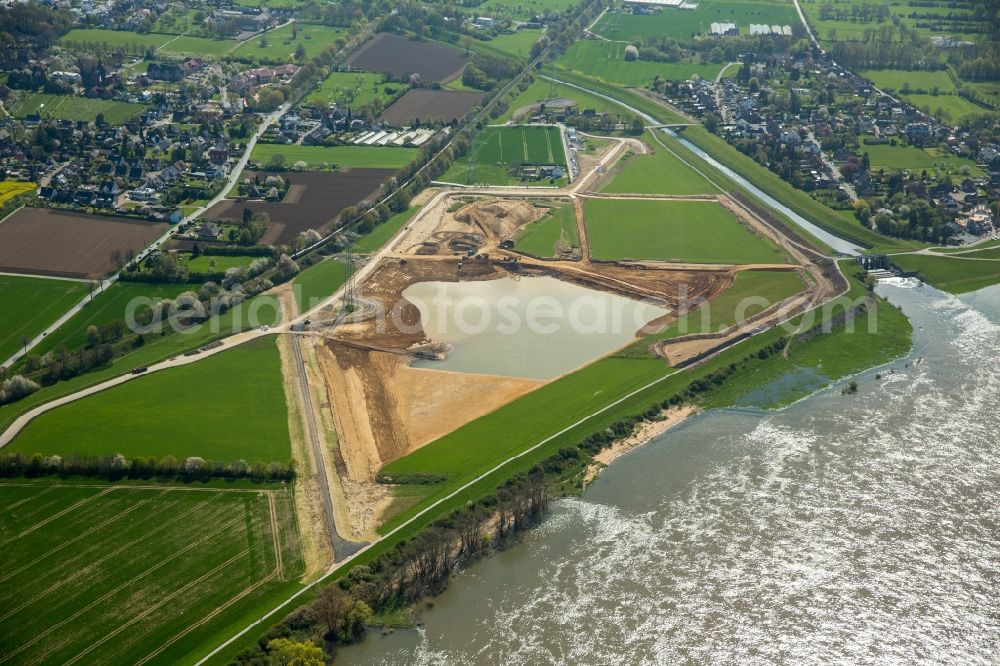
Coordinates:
(842, 529)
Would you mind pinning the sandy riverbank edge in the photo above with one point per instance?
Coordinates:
(644, 432)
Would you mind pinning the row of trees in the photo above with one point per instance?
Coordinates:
(117, 466)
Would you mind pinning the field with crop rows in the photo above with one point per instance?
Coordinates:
(100, 573)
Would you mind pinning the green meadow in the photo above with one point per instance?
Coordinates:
(660, 172)
(555, 229)
(227, 407)
(30, 304)
(682, 231)
(606, 61)
(316, 157)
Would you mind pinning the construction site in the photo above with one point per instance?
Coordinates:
(372, 407)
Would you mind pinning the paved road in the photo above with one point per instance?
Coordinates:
(107, 282)
(342, 548)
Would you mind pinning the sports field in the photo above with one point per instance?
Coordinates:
(606, 61)
(660, 172)
(100, 573)
(319, 157)
(498, 150)
(553, 231)
(69, 107)
(683, 24)
(528, 144)
(684, 231)
(96, 40)
(30, 304)
(227, 407)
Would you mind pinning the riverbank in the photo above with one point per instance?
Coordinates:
(642, 434)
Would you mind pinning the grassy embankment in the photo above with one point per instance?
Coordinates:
(657, 173)
(751, 293)
(113, 573)
(954, 274)
(318, 282)
(381, 234)
(227, 407)
(682, 231)
(555, 227)
(30, 304)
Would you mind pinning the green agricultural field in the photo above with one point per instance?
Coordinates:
(950, 108)
(30, 304)
(554, 230)
(541, 90)
(684, 231)
(99, 573)
(280, 46)
(683, 24)
(226, 407)
(353, 89)
(606, 61)
(107, 306)
(498, 150)
(953, 274)
(912, 158)
(318, 157)
(318, 282)
(68, 107)
(381, 234)
(899, 80)
(155, 347)
(517, 44)
(662, 172)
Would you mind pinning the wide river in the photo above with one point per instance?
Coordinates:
(842, 529)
